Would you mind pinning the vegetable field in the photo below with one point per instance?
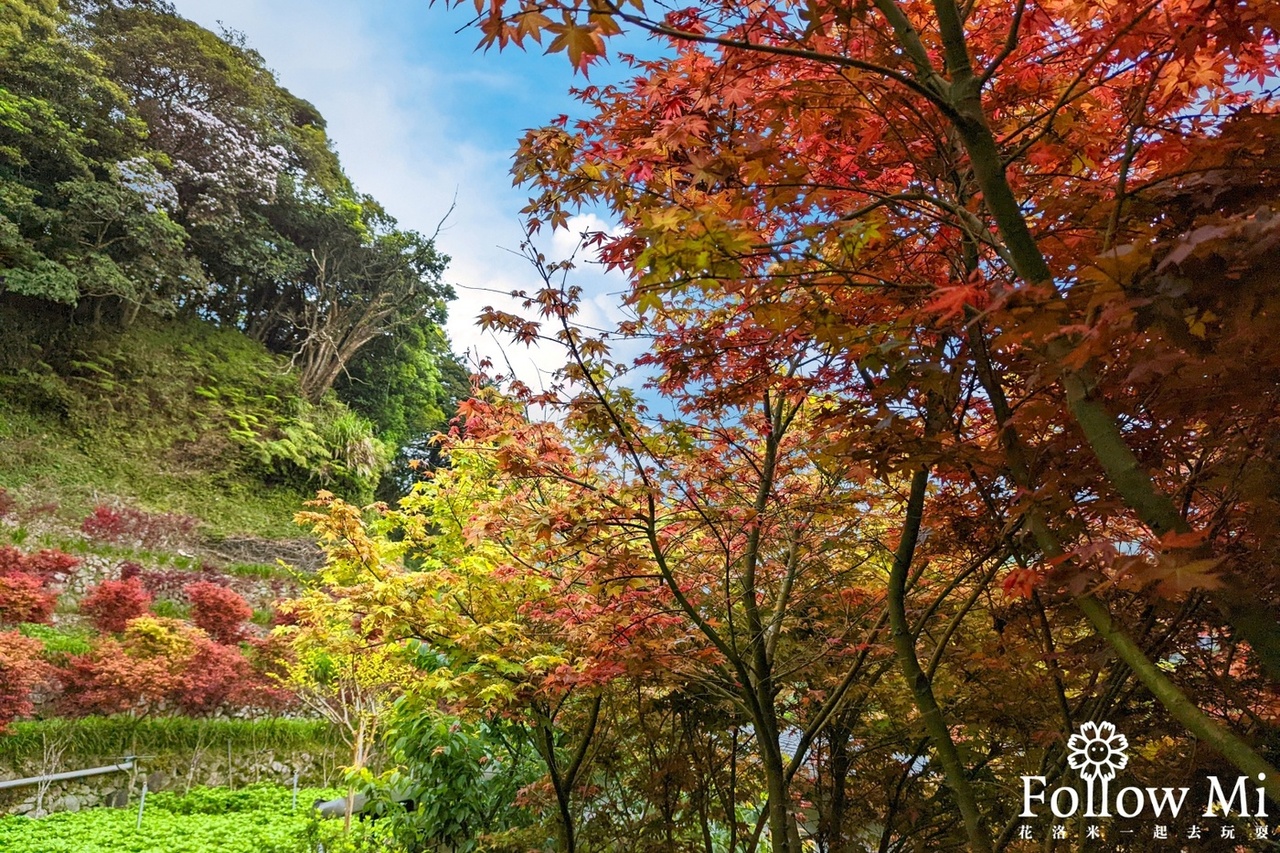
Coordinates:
(256, 819)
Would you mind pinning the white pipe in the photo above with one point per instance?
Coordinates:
(127, 764)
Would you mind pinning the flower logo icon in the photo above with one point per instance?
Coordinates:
(1098, 751)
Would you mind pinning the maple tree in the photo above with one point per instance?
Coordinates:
(113, 603)
(489, 630)
(26, 594)
(959, 431)
(23, 671)
(159, 665)
(1021, 254)
(339, 664)
(218, 610)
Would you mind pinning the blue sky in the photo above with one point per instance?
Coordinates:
(417, 115)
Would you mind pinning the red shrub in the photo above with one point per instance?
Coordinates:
(112, 604)
(126, 526)
(165, 583)
(104, 524)
(47, 564)
(214, 677)
(23, 598)
(269, 657)
(12, 560)
(218, 610)
(21, 670)
(164, 665)
(25, 595)
(140, 672)
(107, 680)
(51, 564)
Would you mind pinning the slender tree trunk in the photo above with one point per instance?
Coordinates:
(838, 737)
(784, 833)
(546, 743)
(568, 843)
(904, 644)
(564, 780)
(357, 761)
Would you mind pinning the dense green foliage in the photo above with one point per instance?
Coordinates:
(79, 211)
(57, 641)
(150, 168)
(256, 819)
(464, 779)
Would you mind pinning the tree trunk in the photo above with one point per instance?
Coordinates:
(784, 833)
(904, 644)
(357, 761)
(1243, 611)
(833, 824)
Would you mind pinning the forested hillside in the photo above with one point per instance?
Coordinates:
(190, 286)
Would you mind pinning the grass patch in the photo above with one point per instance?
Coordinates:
(265, 571)
(170, 609)
(42, 458)
(95, 737)
(174, 416)
(58, 641)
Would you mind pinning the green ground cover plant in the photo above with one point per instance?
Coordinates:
(196, 422)
(254, 819)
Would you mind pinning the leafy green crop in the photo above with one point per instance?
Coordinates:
(255, 819)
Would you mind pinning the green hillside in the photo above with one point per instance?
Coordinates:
(199, 312)
(176, 416)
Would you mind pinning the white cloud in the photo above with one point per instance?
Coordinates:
(413, 119)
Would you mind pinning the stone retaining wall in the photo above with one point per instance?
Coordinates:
(174, 771)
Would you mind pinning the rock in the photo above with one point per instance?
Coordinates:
(68, 803)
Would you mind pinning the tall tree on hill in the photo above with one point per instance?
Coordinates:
(299, 260)
(232, 138)
(365, 278)
(84, 214)
(147, 163)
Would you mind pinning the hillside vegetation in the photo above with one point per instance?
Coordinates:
(179, 416)
(199, 313)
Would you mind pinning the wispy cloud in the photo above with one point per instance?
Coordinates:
(419, 121)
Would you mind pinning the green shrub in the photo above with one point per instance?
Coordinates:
(58, 641)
